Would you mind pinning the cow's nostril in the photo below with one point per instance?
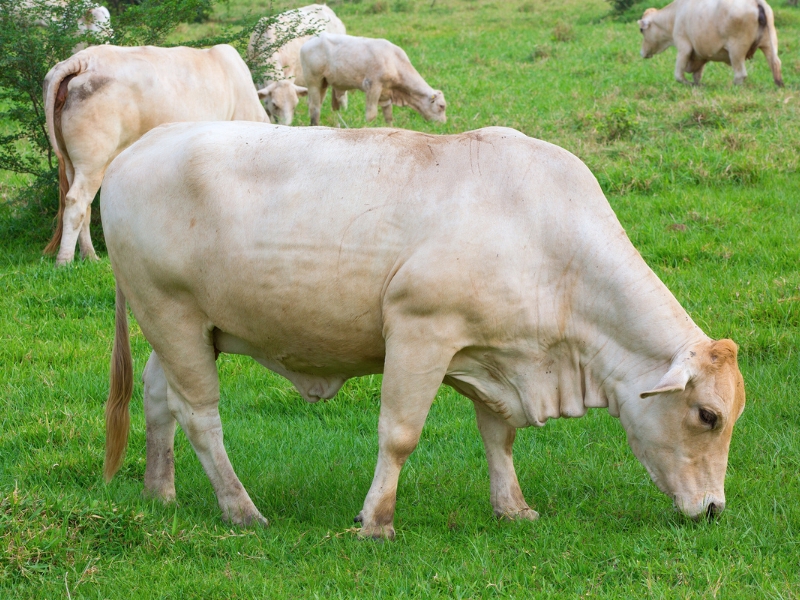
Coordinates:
(712, 510)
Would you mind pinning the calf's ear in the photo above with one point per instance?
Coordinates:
(265, 92)
(644, 24)
(674, 380)
(301, 91)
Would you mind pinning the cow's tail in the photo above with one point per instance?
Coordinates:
(762, 16)
(55, 95)
(118, 418)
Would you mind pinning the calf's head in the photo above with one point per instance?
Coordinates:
(433, 107)
(280, 98)
(655, 38)
(681, 429)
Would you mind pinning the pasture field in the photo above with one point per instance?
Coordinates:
(705, 181)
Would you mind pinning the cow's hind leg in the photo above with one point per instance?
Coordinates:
(414, 368)
(159, 474)
(498, 438)
(76, 217)
(85, 238)
(188, 360)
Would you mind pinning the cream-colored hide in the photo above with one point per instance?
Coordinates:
(703, 31)
(281, 97)
(488, 260)
(102, 99)
(377, 67)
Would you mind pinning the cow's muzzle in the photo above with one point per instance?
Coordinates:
(710, 507)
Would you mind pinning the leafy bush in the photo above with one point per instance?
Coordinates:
(621, 6)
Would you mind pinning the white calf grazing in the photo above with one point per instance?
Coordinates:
(377, 67)
(728, 31)
(281, 96)
(104, 98)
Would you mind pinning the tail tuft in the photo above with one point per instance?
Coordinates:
(118, 417)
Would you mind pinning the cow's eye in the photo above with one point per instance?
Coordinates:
(708, 417)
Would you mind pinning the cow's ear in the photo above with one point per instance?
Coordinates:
(301, 91)
(675, 380)
(644, 24)
(265, 92)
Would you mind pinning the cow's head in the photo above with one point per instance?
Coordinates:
(280, 98)
(655, 38)
(681, 428)
(433, 107)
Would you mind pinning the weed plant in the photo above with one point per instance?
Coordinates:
(704, 179)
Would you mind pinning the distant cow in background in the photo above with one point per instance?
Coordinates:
(281, 96)
(377, 67)
(94, 19)
(703, 31)
(104, 98)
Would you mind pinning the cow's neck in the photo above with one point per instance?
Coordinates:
(611, 332)
(628, 329)
(665, 18)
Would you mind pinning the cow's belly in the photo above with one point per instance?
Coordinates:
(299, 310)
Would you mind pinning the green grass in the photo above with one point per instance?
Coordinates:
(705, 182)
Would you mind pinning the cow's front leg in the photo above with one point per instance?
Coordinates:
(316, 94)
(682, 62)
(697, 71)
(737, 55)
(498, 438)
(413, 371)
(386, 108)
(159, 474)
(373, 95)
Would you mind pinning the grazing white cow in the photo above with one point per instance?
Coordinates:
(703, 31)
(282, 96)
(104, 98)
(487, 260)
(377, 67)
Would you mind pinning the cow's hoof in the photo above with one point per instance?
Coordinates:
(526, 514)
(376, 532)
(250, 519)
(165, 496)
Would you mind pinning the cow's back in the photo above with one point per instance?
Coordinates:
(125, 92)
(299, 241)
